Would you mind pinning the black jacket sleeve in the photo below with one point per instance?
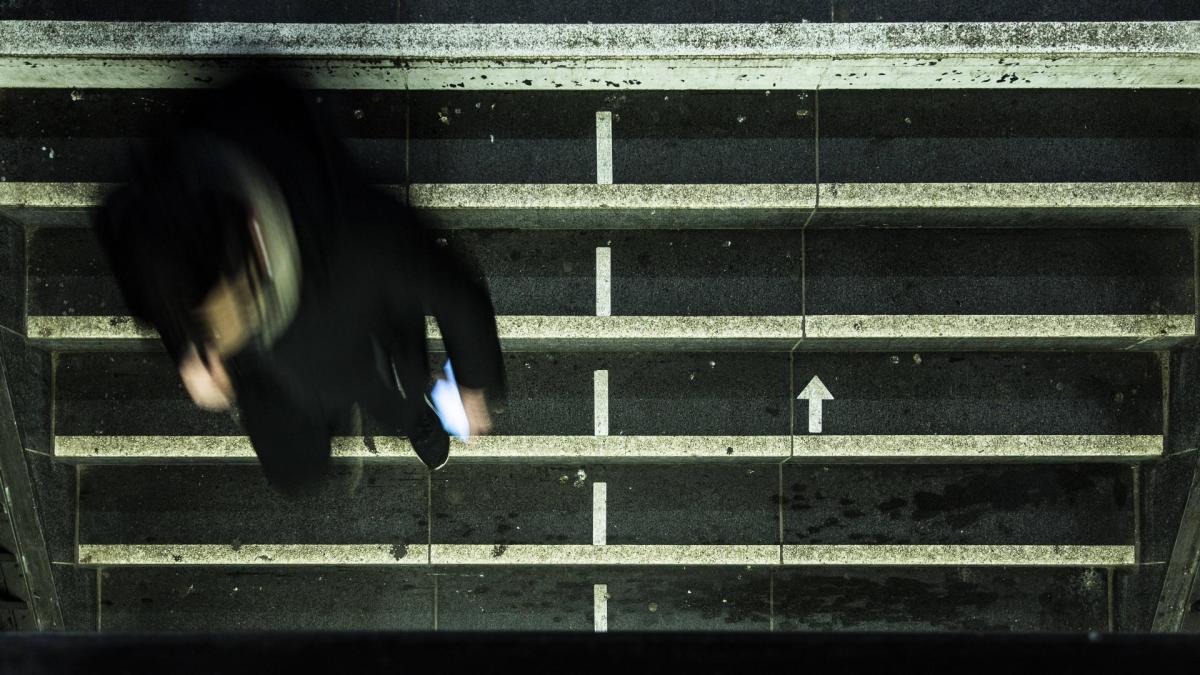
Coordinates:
(426, 277)
(125, 238)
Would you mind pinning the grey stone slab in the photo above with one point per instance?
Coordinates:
(534, 272)
(1014, 10)
(698, 394)
(239, 599)
(1164, 492)
(941, 599)
(1183, 428)
(57, 159)
(614, 11)
(54, 494)
(944, 271)
(713, 137)
(232, 504)
(1008, 136)
(284, 11)
(12, 275)
(714, 273)
(503, 137)
(68, 274)
(725, 394)
(515, 599)
(881, 393)
(141, 113)
(1083, 504)
(657, 137)
(28, 371)
(1066, 218)
(646, 504)
(529, 272)
(77, 596)
(639, 599)
(107, 160)
(130, 394)
(614, 218)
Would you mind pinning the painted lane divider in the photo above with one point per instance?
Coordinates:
(604, 155)
(600, 605)
(600, 401)
(603, 281)
(816, 394)
(599, 514)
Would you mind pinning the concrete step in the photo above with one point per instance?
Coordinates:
(601, 56)
(643, 599)
(597, 514)
(582, 206)
(728, 407)
(1013, 288)
(581, 11)
(664, 137)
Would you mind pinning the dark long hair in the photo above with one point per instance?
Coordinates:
(178, 225)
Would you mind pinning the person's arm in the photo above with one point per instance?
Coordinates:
(460, 303)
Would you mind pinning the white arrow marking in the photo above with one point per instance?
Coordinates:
(816, 394)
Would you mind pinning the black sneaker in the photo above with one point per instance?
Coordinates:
(430, 440)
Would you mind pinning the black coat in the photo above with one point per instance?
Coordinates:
(370, 271)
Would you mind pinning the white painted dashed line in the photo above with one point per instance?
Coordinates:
(603, 281)
(604, 158)
(600, 401)
(600, 603)
(599, 514)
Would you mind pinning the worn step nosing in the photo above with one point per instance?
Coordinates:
(877, 326)
(1080, 446)
(600, 555)
(690, 197)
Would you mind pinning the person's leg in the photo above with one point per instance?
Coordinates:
(292, 443)
(400, 400)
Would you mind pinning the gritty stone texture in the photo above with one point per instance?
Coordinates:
(1129, 327)
(126, 555)
(228, 505)
(606, 56)
(255, 598)
(637, 598)
(613, 554)
(1008, 195)
(1029, 402)
(488, 448)
(339, 11)
(620, 196)
(1024, 136)
(1017, 599)
(654, 504)
(1082, 504)
(1015, 10)
(1115, 448)
(48, 38)
(615, 331)
(12, 275)
(52, 195)
(639, 332)
(990, 555)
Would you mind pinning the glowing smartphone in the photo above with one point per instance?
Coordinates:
(448, 405)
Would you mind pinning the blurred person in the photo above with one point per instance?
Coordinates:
(280, 281)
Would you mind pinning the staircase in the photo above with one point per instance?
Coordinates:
(808, 326)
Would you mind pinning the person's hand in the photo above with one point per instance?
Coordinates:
(478, 417)
(209, 387)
